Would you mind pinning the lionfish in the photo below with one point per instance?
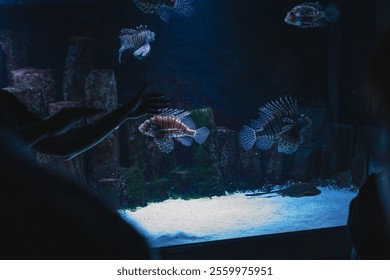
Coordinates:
(312, 15)
(164, 7)
(279, 123)
(136, 40)
(172, 123)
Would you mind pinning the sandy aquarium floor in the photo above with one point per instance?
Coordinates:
(174, 222)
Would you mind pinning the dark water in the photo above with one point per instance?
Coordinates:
(228, 56)
(233, 57)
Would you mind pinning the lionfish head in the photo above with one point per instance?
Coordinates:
(150, 36)
(304, 121)
(146, 128)
(291, 18)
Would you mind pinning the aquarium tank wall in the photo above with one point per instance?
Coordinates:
(264, 130)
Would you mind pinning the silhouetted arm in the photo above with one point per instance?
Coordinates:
(81, 139)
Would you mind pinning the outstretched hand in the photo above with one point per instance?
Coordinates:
(146, 103)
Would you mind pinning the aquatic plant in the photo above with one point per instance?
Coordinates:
(157, 189)
(134, 182)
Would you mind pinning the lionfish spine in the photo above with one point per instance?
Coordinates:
(273, 114)
(166, 3)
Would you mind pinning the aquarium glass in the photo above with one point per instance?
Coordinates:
(263, 133)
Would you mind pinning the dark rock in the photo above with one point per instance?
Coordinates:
(299, 164)
(55, 107)
(274, 166)
(33, 101)
(329, 163)
(15, 55)
(339, 138)
(38, 85)
(250, 169)
(79, 63)
(73, 168)
(101, 90)
(3, 68)
(101, 93)
(296, 166)
(134, 185)
(227, 153)
(358, 172)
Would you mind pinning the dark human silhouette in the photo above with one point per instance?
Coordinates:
(57, 136)
(46, 216)
(369, 215)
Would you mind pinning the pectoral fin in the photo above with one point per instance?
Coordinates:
(165, 144)
(142, 51)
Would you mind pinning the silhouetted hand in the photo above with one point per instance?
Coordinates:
(146, 103)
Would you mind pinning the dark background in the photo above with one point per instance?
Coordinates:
(232, 56)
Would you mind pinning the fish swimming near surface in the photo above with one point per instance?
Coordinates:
(173, 124)
(164, 7)
(279, 123)
(309, 14)
(136, 40)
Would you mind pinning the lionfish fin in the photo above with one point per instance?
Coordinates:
(247, 137)
(184, 7)
(259, 122)
(201, 134)
(316, 5)
(321, 22)
(164, 13)
(285, 106)
(332, 13)
(185, 140)
(145, 8)
(165, 144)
(127, 31)
(169, 112)
(143, 51)
(188, 122)
(264, 143)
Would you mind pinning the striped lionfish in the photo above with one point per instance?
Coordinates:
(164, 7)
(175, 124)
(279, 123)
(312, 15)
(136, 40)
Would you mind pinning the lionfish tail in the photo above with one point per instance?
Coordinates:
(201, 134)
(247, 137)
(164, 13)
(332, 13)
(184, 7)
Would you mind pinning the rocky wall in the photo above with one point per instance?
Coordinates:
(79, 63)
(104, 158)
